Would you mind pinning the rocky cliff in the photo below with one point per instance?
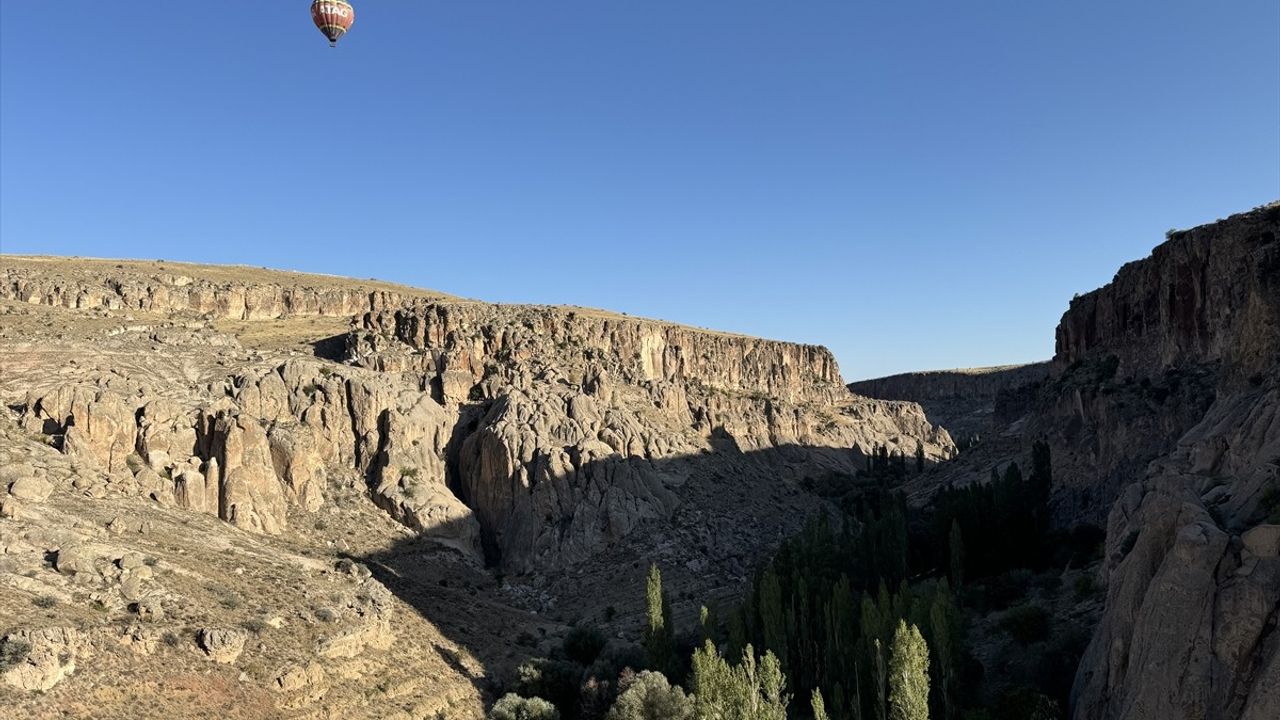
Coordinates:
(1166, 396)
(563, 448)
(962, 401)
(579, 424)
(542, 435)
(223, 292)
(1206, 295)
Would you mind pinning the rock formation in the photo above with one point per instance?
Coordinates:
(962, 401)
(556, 445)
(1193, 580)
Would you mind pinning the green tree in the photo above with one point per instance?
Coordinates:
(956, 543)
(514, 707)
(557, 681)
(942, 624)
(651, 697)
(751, 691)
(709, 624)
(879, 678)
(773, 615)
(658, 635)
(909, 675)
(819, 707)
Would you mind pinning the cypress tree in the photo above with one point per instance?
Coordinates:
(956, 543)
(773, 616)
(658, 636)
(941, 625)
(909, 675)
(919, 457)
(819, 707)
(707, 621)
(879, 678)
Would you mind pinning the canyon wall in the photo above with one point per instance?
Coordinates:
(537, 437)
(218, 292)
(1206, 295)
(582, 425)
(962, 401)
(1166, 397)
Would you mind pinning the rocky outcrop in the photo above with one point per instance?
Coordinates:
(574, 426)
(41, 658)
(222, 645)
(1176, 366)
(962, 401)
(261, 444)
(477, 339)
(1205, 295)
(1193, 578)
(544, 435)
(177, 288)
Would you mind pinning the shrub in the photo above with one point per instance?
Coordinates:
(514, 707)
(554, 680)
(13, 652)
(617, 658)
(171, 639)
(1027, 704)
(45, 601)
(257, 626)
(1086, 586)
(651, 697)
(583, 645)
(1026, 623)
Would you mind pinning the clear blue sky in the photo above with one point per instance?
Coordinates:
(913, 185)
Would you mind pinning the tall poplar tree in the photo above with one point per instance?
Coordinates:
(658, 635)
(908, 675)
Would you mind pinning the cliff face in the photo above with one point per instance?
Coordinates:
(579, 426)
(230, 292)
(1205, 295)
(542, 437)
(1165, 396)
(962, 401)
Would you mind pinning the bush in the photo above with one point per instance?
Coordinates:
(583, 645)
(1026, 623)
(13, 652)
(615, 659)
(651, 697)
(45, 601)
(514, 707)
(1027, 704)
(554, 680)
(1086, 586)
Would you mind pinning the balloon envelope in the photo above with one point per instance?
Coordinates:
(333, 17)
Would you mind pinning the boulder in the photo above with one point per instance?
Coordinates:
(1263, 541)
(31, 488)
(222, 645)
(44, 657)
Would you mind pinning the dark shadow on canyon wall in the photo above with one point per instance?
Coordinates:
(734, 509)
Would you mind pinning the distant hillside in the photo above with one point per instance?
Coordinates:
(963, 401)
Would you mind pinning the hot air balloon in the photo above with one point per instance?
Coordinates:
(333, 17)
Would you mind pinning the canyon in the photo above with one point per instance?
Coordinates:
(265, 492)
